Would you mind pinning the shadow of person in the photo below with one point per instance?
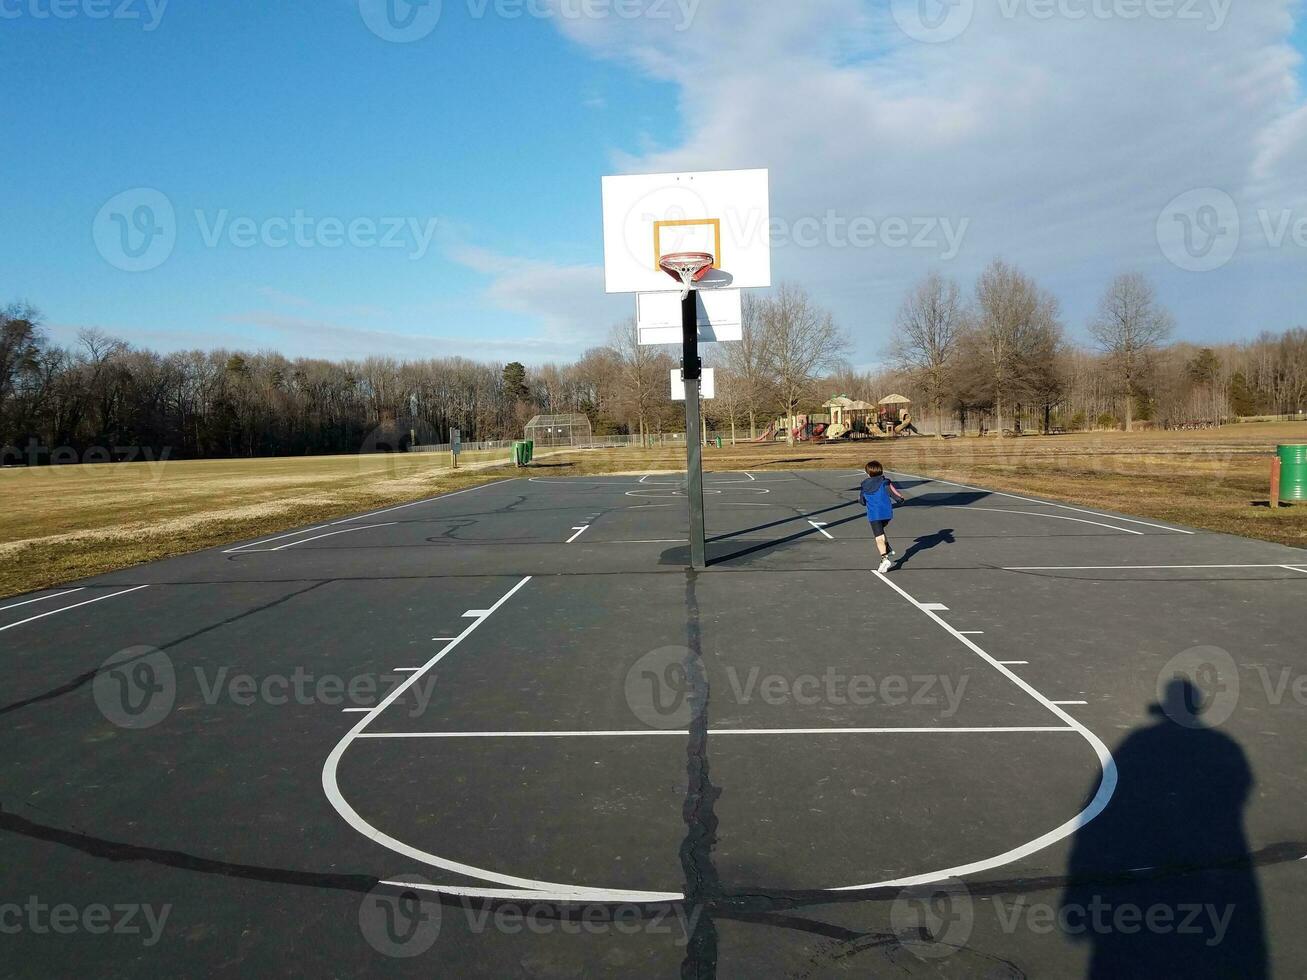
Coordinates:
(926, 542)
(1161, 883)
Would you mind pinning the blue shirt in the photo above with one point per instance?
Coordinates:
(875, 495)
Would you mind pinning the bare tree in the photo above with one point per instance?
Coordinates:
(643, 381)
(1129, 327)
(929, 329)
(801, 342)
(747, 361)
(1016, 326)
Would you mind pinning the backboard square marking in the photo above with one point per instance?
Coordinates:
(714, 223)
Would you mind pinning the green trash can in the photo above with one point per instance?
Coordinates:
(530, 450)
(519, 453)
(1293, 472)
(719, 442)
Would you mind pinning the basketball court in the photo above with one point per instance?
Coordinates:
(518, 713)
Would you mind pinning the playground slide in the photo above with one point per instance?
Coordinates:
(767, 436)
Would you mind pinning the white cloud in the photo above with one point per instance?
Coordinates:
(568, 300)
(1060, 138)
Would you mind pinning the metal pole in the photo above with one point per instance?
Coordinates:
(691, 371)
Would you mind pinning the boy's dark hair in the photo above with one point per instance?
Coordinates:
(875, 469)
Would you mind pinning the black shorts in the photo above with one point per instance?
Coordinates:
(878, 528)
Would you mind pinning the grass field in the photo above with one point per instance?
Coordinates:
(63, 523)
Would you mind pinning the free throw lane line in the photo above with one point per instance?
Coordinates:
(1106, 785)
(331, 787)
(579, 531)
(654, 732)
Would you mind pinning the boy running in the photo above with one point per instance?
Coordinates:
(877, 495)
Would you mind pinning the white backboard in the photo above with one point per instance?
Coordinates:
(707, 385)
(658, 316)
(724, 212)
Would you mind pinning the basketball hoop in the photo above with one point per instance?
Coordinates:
(688, 267)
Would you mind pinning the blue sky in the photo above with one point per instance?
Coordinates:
(1058, 143)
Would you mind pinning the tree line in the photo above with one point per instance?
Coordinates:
(995, 356)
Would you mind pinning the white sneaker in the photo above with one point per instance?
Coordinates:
(885, 564)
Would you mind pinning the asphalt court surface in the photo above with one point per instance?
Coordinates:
(520, 692)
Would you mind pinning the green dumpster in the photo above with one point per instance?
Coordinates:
(1293, 472)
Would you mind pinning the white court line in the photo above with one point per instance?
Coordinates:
(1126, 568)
(404, 670)
(579, 531)
(76, 605)
(329, 534)
(750, 476)
(331, 787)
(1052, 517)
(279, 537)
(378, 513)
(445, 639)
(1106, 786)
(1070, 702)
(643, 733)
(1015, 663)
(972, 632)
(354, 710)
(28, 602)
(934, 606)
(821, 526)
(1046, 503)
(1292, 569)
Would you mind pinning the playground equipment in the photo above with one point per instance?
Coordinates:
(769, 435)
(894, 417)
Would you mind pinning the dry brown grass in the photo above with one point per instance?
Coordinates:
(64, 523)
